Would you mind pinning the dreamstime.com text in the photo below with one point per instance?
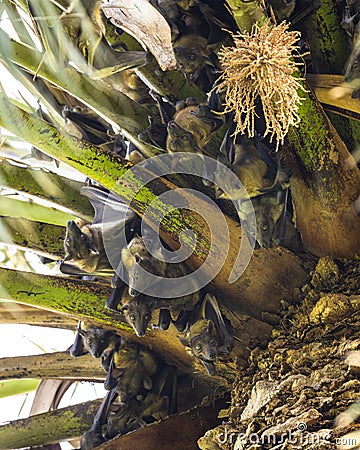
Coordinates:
(297, 437)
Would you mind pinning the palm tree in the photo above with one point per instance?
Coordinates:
(73, 68)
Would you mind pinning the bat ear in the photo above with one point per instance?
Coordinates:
(147, 383)
(124, 308)
(81, 332)
(184, 342)
(209, 297)
(210, 327)
(223, 349)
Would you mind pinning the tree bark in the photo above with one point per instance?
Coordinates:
(15, 313)
(178, 432)
(325, 183)
(29, 235)
(58, 365)
(51, 427)
(47, 186)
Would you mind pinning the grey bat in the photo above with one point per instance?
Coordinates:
(96, 341)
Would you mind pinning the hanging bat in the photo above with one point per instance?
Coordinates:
(197, 60)
(96, 341)
(84, 243)
(159, 402)
(270, 212)
(138, 310)
(253, 163)
(130, 371)
(198, 118)
(140, 264)
(208, 333)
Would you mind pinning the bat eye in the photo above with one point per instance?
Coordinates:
(212, 342)
(146, 316)
(265, 227)
(83, 237)
(68, 241)
(185, 138)
(89, 341)
(192, 56)
(132, 317)
(198, 347)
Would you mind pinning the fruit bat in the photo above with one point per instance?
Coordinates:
(92, 128)
(159, 402)
(196, 60)
(137, 307)
(181, 140)
(96, 341)
(139, 264)
(270, 212)
(208, 333)
(95, 248)
(130, 372)
(137, 311)
(253, 163)
(199, 119)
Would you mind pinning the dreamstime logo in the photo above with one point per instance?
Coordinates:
(169, 203)
(298, 436)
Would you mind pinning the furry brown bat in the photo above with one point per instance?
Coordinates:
(130, 371)
(208, 333)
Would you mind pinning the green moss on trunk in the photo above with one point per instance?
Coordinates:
(50, 427)
(37, 236)
(48, 186)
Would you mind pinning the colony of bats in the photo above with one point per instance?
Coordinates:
(141, 388)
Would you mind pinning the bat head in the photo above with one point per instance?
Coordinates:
(138, 315)
(180, 140)
(140, 265)
(96, 340)
(203, 344)
(76, 243)
(189, 60)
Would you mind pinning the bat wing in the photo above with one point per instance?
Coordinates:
(101, 199)
(165, 385)
(211, 311)
(119, 223)
(78, 348)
